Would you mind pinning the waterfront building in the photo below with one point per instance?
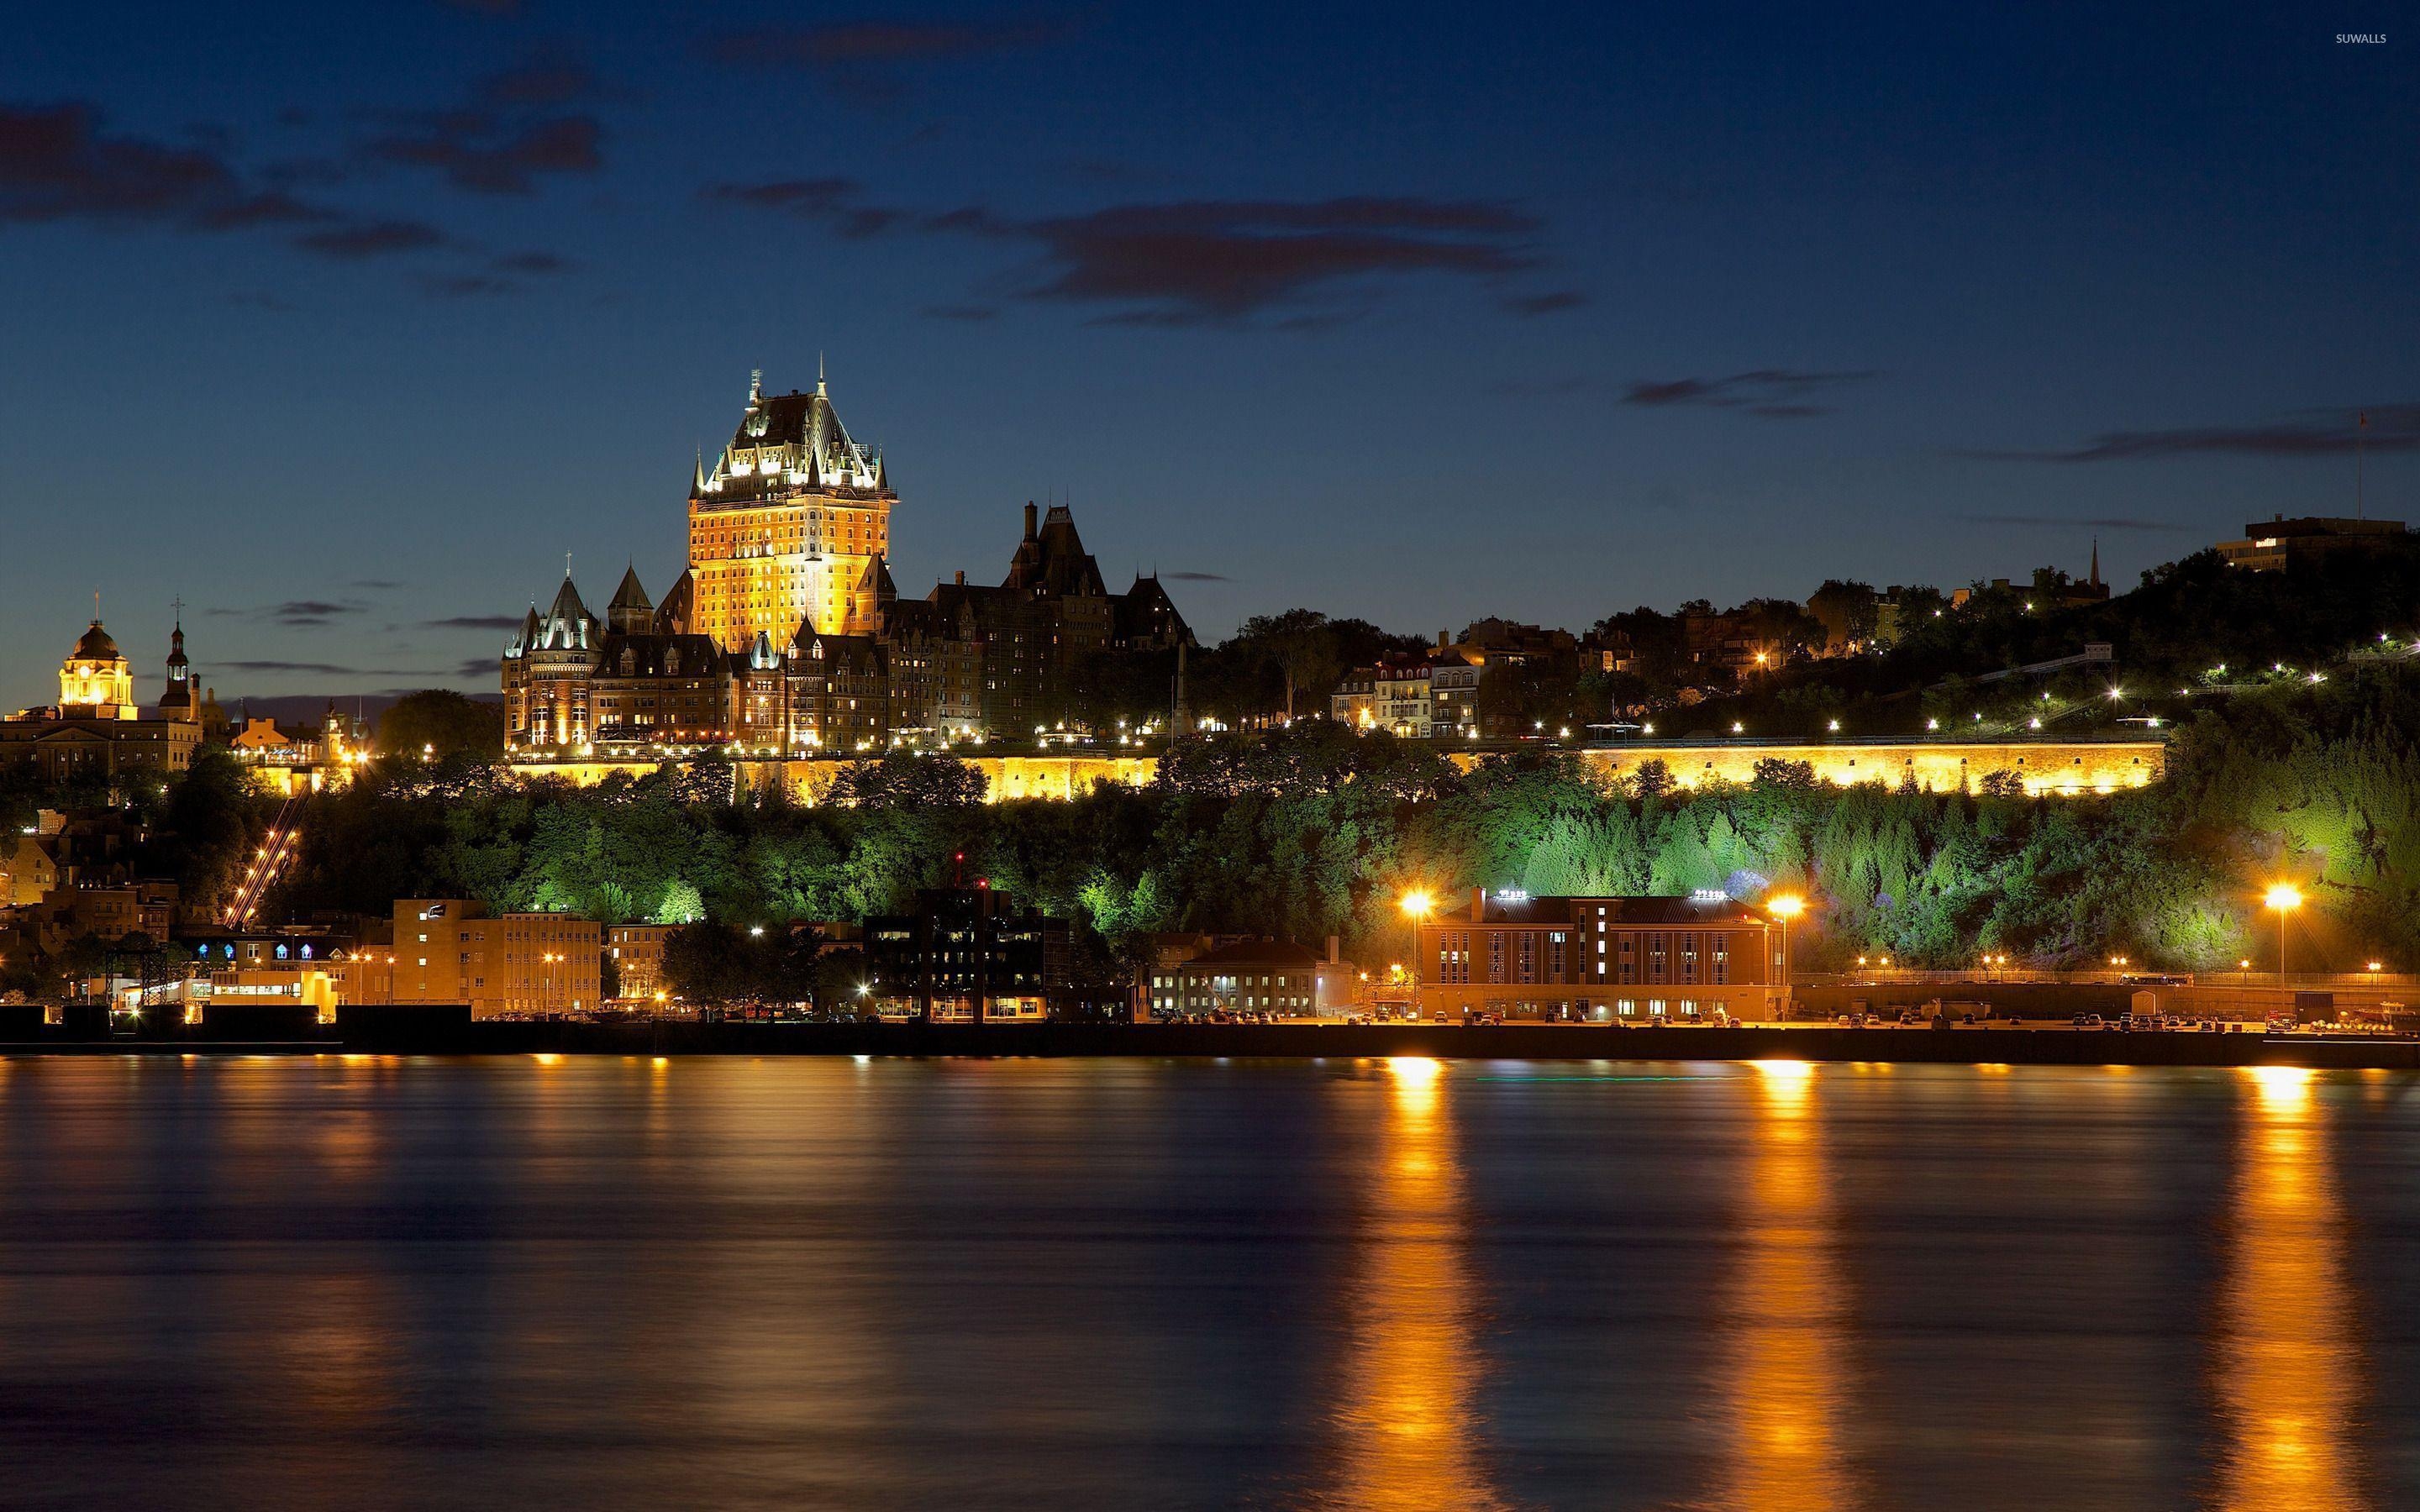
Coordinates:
(96, 729)
(963, 956)
(1600, 960)
(1249, 975)
(637, 951)
(452, 951)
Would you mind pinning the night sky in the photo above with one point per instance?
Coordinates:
(346, 323)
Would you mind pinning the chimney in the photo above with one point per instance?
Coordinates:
(1028, 520)
(1443, 640)
(1335, 951)
(962, 576)
(1478, 905)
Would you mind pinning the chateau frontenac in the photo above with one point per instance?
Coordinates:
(786, 637)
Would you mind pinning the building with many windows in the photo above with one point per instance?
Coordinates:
(1629, 960)
(964, 957)
(97, 729)
(452, 951)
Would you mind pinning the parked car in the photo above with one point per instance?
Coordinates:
(2090, 1021)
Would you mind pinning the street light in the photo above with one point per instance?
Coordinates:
(1418, 903)
(1785, 908)
(2284, 898)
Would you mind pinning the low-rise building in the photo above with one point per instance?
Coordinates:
(964, 957)
(452, 950)
(2283, 542)
(637, 951)
(1623, 960)
(1250, 976)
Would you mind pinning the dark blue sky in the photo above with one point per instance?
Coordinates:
(345, 325)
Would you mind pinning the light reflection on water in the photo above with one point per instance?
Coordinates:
(1787, 1392)
(2287, 1363)
(375, 1283)
(1406, 1415)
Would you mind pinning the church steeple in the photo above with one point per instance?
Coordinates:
(177, 700)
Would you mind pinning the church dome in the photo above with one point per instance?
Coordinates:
(96, 646)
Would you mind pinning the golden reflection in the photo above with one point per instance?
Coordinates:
(1406, 1414)
(1785, 1389)
(2288, 1359)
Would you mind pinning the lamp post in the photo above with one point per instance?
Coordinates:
(1417, 904)
(2284, 898)
(1785, 908)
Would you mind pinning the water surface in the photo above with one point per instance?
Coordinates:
(780, 1283)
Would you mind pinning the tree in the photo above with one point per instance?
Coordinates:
(1847, 611)
(444, 722)
(1301, 646)
(907, 781)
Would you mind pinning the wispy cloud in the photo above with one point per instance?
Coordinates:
(298, 614)
(837, 43)
(2098, 522)
(476, 621)
(1198, 262)
(59, 162)
(1767, 392)
(2393, 427)
(1197, 577)
(1550, 304)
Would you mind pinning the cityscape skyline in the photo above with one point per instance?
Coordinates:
(1696, 340)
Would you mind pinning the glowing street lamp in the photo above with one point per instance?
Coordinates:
(1785, 908)
(1419, 904)
(2284, 898)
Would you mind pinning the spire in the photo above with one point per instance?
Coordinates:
(2096, 561)
(820, 394)
(697, 477)
(881, 470)
(814, 469)
(755, 386)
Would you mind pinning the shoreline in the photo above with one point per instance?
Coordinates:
(1816, 1043)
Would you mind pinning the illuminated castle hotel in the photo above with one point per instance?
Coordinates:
(785, 635)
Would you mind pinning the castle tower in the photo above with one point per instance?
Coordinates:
(95, 682)
(783, 528)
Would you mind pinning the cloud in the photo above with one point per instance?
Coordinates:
(854, 42)
(510, 129)
(476, 621)
(2092, 522)
(1197, 577)
(1767, 392)
(1199, 261)
(2394, 428)
(531, 262)
(478, 152)
(371, 238)
(476, 667)
(319, 668)
(56, 164)
(464, 285)
(375, 582)
(1552, 303)
(295, 613)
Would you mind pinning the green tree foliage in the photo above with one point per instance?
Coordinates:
(441, 720)
(1315, 830)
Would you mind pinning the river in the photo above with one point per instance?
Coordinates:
(604, 1283)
